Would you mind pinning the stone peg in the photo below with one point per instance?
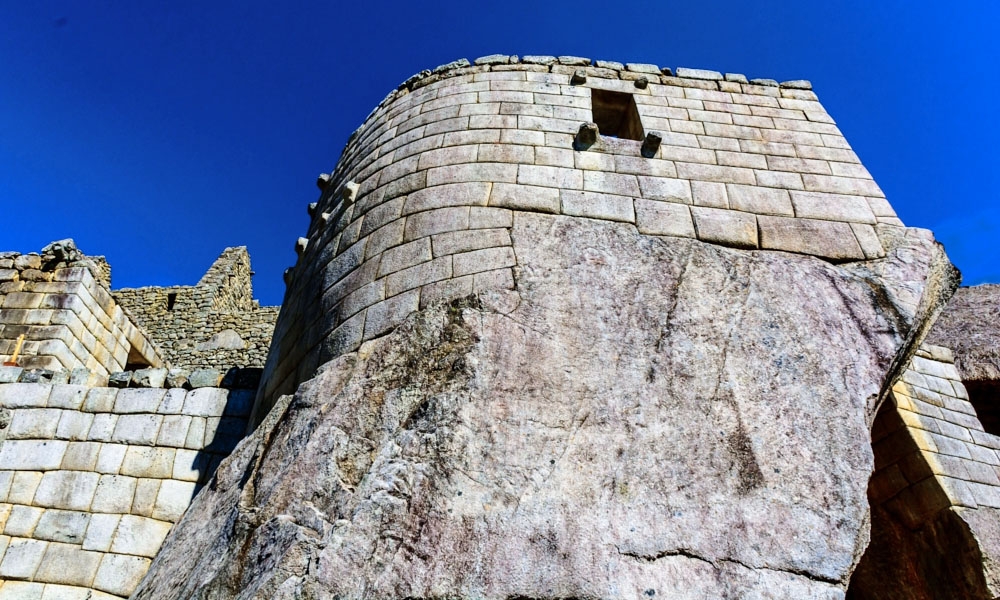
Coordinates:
(587, 136)
(579, 77)
(324, 218)
(651, 143)
(322, 181)
(300, 245)
(350, 192)
(287, 275)
(311, 209)
(642, 83)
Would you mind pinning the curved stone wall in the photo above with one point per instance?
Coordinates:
(420, 206)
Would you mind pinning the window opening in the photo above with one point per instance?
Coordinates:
(985, 398)
(171, 299)
(616, 114)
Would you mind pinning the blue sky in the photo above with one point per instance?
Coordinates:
(160, 133)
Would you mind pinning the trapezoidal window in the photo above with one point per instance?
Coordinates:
(984, 394)
(616, 114)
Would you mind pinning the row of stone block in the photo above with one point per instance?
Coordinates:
(935, 454)
(232, 378)
(201, 402)
(84, 429)
(95, 532)
(27, 566)
(26, 590)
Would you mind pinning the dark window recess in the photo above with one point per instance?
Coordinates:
(616, 114)
(985, 398)
(171, 298)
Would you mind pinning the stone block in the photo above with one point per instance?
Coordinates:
(726, 227)
(706, 193)
(832, 207)
(404, 256)
(74, 425)
(100, 400)
(720, 174)
(114, 494)
(23, 590)
(190, 465)
(24, 395)
(465, 241)
(487, 217)
(455, 194)
(177, 378)
(34, 423)
(173, 499)
(22, 487)
(22, 521)
(63, 526)
(139, 536)
(525, 197)
(68, 490)
(150, 378)
(206, 402)
(555, 177)
(32, 455)
(138, 400)
(868, 240)
(173, 431)
(81, 456)
(141, 461)
(119, 379)
(828, 239)
(387, 314)
(102, 427)
(483, 260)
(205, 378)
(6, 479)
(196, 431)
(55, 591)
(448, 289)
(146, 491)
(416, 276)
(436, 221)
(759, 200)
(120, 574)
(597, 206)
(663, 188)
(663, 218)
(139, 429)
(22, 559)
(173, 402)
(698, 74)
(100, 532)
(10, 374)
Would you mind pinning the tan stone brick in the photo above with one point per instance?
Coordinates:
(120, 574)
(554, 157)
(832, 207)
(81, 456)
(446, 290)
(720, 143)
(759, 200)
(417, 275)
(709, 194)
(436, 221)
(525, 197)
(22, 520)
(841, 185)
(32, 455)
(868, 240)
(34, 423)
(777, 179)
(483, 260)
(597, 206)
(663, 218)
(809, 236)
(726, 227)
(22, 559)
(387, 314)
(556, 177)
(100, 532)
(455, 194)
(493, 280)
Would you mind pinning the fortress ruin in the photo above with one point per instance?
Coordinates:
(558, 328)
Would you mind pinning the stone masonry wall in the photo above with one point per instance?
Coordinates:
(932, 453)
(92, 479)
(420, 206)
(68, 317)
(213, 324)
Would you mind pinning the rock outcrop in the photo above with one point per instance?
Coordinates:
(639, 417)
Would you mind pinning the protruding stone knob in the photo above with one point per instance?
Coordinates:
(300, 245)
(651, 144)
(642, 83)
(579, 77)
(587, 136)
(311, 209)
(350, 192)
(287, 275)
(324, 219)
(323, 180)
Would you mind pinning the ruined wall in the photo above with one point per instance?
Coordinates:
(421, 204)
(213, 324)
(68, 316)
(92, 479)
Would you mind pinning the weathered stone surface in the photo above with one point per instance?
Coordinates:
(970, 326)
(642, 418)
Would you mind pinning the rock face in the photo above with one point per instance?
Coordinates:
(639, 417)
(969, 326)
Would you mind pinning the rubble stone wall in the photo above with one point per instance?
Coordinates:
(421, 204)
(92, 479)
(213, 324)
(68, 316)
